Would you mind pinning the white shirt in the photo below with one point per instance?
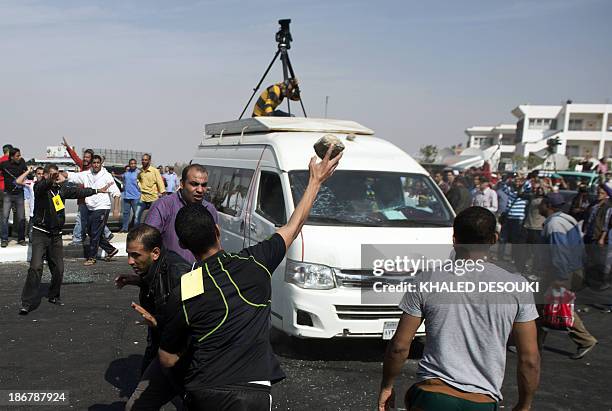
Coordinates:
(486, 199)
(89, 179)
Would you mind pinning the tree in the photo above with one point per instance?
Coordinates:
(429, 153)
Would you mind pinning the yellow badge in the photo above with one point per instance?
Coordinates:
(192, 284)
(58, 203)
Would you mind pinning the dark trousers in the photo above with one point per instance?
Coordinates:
(156, 387)
(517, 237)
(231, 398)
(51, 247)
(533, 237)
(95, 228)
(84, 216)
(15, 202)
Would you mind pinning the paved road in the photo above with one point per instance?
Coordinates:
(92, 348)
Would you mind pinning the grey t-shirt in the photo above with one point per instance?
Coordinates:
(467, 332)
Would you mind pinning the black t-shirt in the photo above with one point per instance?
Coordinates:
(11, 171)
(228, 326)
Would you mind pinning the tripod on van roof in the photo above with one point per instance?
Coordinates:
(284, 39)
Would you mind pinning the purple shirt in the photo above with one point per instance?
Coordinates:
(162, 215)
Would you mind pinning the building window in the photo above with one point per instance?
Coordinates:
(572, 151)
(542, 123)
(575, 124)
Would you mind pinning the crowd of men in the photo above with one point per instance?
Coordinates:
(515, 199)
(208, 310)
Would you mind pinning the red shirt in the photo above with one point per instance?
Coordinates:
(79, 162)
(2, 159)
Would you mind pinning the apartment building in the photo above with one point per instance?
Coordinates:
(583, 130)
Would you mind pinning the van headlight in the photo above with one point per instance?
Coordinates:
(310, 276)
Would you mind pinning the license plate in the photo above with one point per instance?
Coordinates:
(389, 329)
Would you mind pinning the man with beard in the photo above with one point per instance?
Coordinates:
(50, 193)
(194, 184)
(156, 272)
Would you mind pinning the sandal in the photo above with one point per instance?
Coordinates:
(89, 261)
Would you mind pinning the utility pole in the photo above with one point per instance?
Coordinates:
(326, 102)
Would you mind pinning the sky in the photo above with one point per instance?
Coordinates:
(147, 75)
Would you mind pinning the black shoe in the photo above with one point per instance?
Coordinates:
(110, 255)
(24, 311)
(56, 301)
(22, 242)
(582, 351)
(110, 237)
(4, 244)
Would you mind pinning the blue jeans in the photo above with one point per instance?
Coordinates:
(95, 228)
(128, 205)
(13, 201)
(79, 234)
(140, 209)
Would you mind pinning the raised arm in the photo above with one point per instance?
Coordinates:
(319, 172)
(73, 154)
(22, 178)
(528, 370)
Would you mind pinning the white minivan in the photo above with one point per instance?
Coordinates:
(258, 170)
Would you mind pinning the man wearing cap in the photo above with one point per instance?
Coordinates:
(562, 233)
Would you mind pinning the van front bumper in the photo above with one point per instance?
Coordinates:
(331, 313)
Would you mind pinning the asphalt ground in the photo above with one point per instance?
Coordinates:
(91, 348)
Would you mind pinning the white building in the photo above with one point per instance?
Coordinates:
(583, 129)
(497, 143)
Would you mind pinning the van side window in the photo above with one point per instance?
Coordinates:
(228, 188)
(270, 199)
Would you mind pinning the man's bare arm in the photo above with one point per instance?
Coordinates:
(528, 370)
(319, 172)
(166, 359)
(395, 356)
(22, 178)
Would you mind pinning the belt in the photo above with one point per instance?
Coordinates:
(439, 386)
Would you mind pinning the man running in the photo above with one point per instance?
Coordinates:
(156, 272)
(49, 217)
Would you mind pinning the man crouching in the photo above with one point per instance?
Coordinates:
(156, 271)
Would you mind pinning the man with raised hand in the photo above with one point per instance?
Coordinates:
(49, 216)
(228, 326)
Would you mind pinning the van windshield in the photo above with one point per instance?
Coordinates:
(375, 199)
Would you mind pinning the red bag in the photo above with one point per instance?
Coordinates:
(559, 308)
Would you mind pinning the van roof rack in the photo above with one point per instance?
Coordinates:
(273, 124)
